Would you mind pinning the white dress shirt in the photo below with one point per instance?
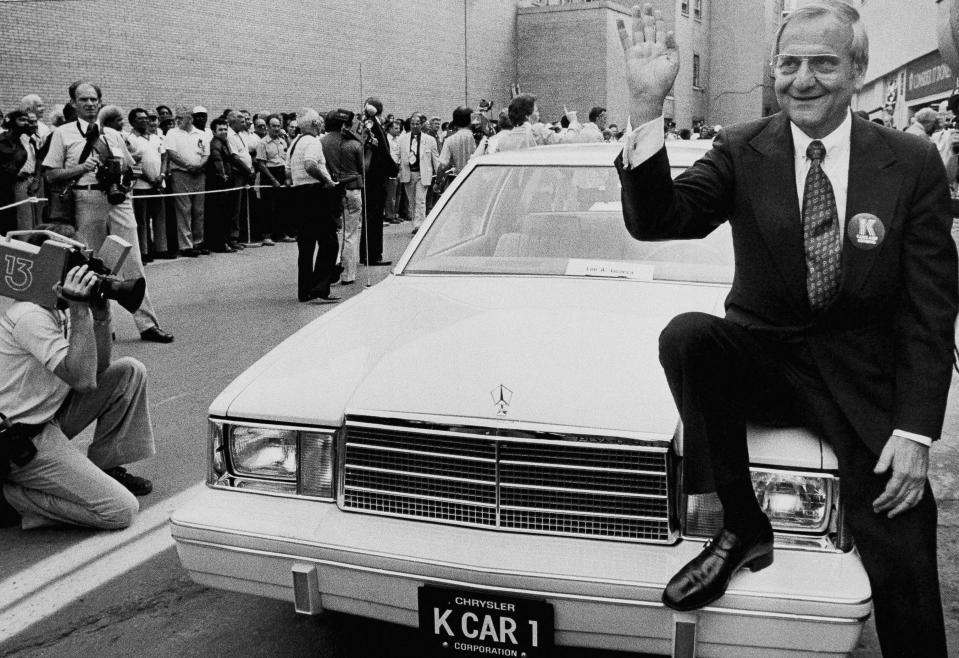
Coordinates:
(647, 140)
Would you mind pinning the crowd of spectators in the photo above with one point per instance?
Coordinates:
(195, 186)
(180, 157)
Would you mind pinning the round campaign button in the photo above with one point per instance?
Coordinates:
(865, 231)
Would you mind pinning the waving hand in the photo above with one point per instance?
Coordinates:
(652, 63)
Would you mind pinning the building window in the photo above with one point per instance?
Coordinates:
(697, 83)
(685, 7)
(698, 9)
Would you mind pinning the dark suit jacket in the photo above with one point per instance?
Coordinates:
(884, 346)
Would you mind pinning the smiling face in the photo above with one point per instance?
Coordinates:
(817, 102)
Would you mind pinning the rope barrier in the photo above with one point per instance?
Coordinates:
(204, 192)
(32, 199)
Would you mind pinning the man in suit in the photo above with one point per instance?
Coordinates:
(418, 157)
(841, 314)
(379, 169)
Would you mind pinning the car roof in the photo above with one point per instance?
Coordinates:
(682, 153)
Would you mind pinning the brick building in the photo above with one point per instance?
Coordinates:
(422, 55)
(906, 71)
(416, 55)
(569, 53)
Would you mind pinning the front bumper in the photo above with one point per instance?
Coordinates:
(605, 594)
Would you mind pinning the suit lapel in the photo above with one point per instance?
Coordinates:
(873, 189)
(771, 181)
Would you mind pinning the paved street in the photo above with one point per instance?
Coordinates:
(226, 311)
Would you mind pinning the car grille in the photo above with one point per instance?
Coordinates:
(538, 482)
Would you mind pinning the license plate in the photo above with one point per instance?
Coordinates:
(464, 623)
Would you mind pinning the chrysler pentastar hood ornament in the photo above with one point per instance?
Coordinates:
(501, 399)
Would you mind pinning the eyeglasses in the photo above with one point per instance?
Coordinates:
(824, 64)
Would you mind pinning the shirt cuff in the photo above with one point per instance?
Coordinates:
(918, 438)
(643, 143)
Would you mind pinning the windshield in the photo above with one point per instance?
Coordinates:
(557, 220)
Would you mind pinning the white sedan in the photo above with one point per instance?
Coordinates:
(484, 445)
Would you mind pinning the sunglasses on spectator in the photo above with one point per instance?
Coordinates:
(823, 64)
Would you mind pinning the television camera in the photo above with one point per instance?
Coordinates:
(35, 273)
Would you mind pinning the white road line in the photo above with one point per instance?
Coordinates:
(171, 399)
(53, 583)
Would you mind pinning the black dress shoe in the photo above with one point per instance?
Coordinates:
(225, 249)
(706, 577)
(189, 253)
(156, 335)
(9, 517)
(165, 255)
(134, 483)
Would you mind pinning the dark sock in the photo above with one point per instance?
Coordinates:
(742, 515)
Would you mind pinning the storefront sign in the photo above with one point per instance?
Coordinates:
(927, 76)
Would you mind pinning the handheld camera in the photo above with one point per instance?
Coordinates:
(35, 273)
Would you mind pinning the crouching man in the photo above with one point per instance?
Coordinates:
(56, 377)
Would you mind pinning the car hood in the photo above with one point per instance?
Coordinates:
(558, 352)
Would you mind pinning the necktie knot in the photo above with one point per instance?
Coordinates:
(816, 151)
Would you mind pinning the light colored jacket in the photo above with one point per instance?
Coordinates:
(429, 156)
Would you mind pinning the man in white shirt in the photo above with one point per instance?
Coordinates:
(239, 140)
(593, 130)
(56, 378)
(77, 150)
(315, 206)
(393, 130)
(187, 150)
(149, 153)
(840, 316)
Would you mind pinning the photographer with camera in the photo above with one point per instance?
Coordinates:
(56, 377)
(95, 162)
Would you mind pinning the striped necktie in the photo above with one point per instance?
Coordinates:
(820, 232)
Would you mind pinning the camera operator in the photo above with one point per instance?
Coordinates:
(56, 377)
(93, 161)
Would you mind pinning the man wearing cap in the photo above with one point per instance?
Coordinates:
(200, 116)
(187, 151)
(344, 158)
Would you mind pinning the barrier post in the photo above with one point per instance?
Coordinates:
(249, 231)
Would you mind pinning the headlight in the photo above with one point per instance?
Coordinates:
(794, 502)
(278, 459)
(263, 452)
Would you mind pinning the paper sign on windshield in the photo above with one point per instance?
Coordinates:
(613, 269)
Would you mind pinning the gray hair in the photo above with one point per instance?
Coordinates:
(108, 113)
(847, 15)
(305, 118)
(926, 116)
(30, 102)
